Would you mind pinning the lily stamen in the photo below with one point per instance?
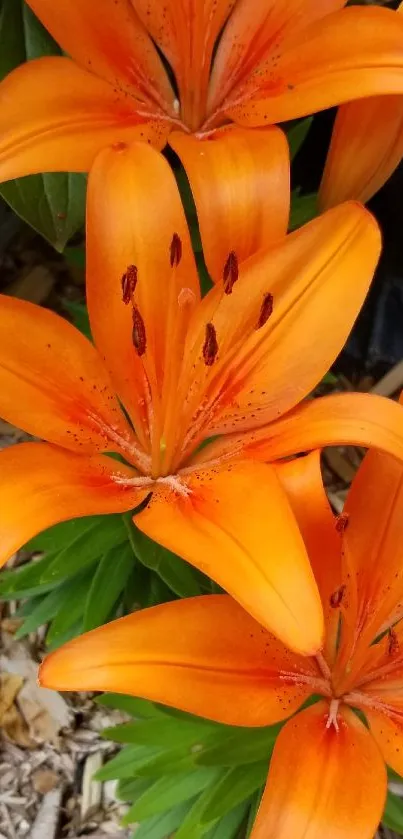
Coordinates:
(332, 716)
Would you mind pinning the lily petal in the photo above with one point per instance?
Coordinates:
(253, 32)
(42, 485)
(187, 33)
(124, 231)
(325, 66)
(236, 525)
(366, 148)
(241, 186)
(56, 117)
(273, 336)
(388, 733)
(53, 383)
(204, 655)
(322, 782)
(373, 541)
(303, 483)
(346, 419)
(379, 674)
(108, 39)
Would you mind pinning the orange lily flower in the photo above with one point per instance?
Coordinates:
(252, 63)
(366, 148)
(327, 774)
(228, 366)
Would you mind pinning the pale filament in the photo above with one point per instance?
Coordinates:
(317, 684)
(378, 674)
(140, 458)
(333, 711)
(141, 481)
(357, 698)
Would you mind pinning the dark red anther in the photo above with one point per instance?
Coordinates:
(337, 597)
(210, 346)
(342, 522)
(231, 272)
(175, 252)
(393, 642)
(139, 332)
(129, 282)
(265, 310)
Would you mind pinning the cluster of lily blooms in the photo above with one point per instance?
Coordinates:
(313, 601)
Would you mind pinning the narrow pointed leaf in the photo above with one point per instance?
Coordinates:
(26, 581)
(393, 813)
(108, 583)
(132, 705)
(169, 791)
(182, 579)
(228, 827)
(161, 826)
(126, 764)
(46, 609)
(163, 733)
(103, 535)
(129, 789)
(233, 788)
(71, 610)
(241, 746)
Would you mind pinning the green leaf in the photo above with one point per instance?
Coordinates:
(160, 827)
(297, 133)
(169, 791)
(132, 705)
(22, 36)
(53, 204)
(79, 315)
(26, 581)
(42, 613)
(303, 209)
(71, 610)
(25, 607)
(129, 789)
(57, 537)
(126, 764)
(247, 745)
(254, 806)
(393, 814)
(108, 582)
(228, 827)
(102, 534)
(72, 631)
(192, 827)
(176, 573)
(175, 760)
(234, 787)
(165, 733)
(156, 592)
(75, 256)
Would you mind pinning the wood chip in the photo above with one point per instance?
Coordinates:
(44, 780)
(340, 464)
(45, 824)
(12, 723)
(34, 286)
(11, 624)
(391, 383)
(91, 789)
(45, 711)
